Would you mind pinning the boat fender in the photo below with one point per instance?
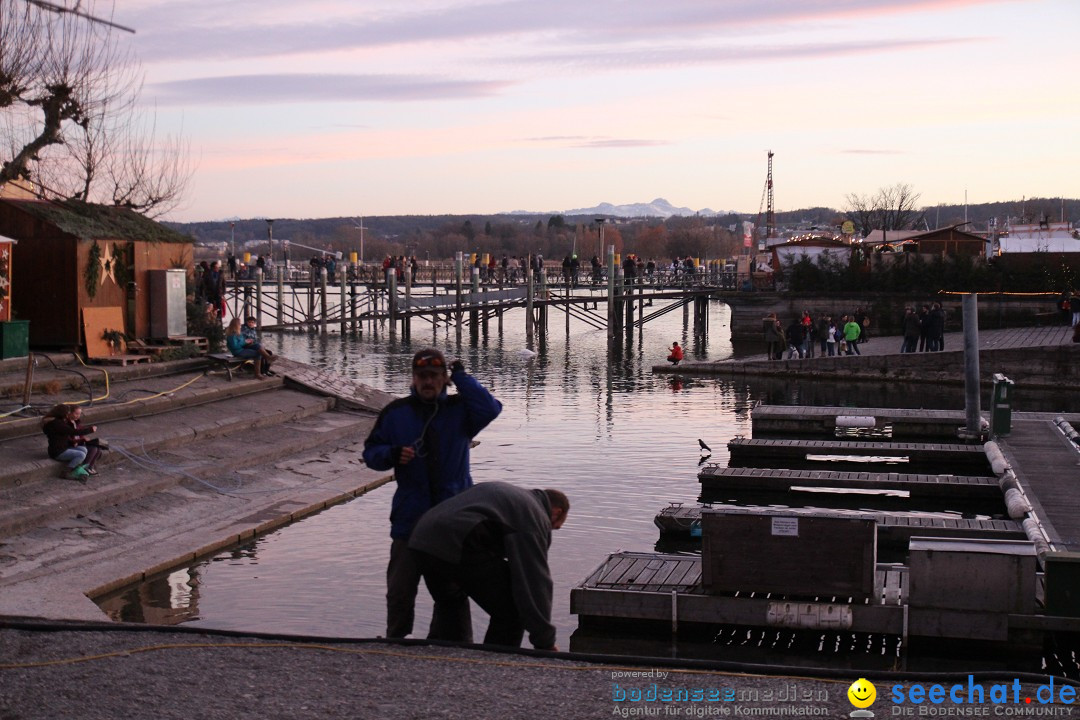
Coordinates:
(1017, 505)
(1035, 534)
(856, 421)
(1008, 481)
(997, 461)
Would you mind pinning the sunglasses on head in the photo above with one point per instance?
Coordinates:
(428, 362)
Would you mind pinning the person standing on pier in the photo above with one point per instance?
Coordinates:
(490, 543)
(214, 289)
(852, 331)
(425, 437)
(912, 329)
(774, 338)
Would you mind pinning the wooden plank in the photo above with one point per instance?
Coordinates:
(96, 321)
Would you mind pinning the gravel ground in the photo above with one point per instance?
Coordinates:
(91, 674)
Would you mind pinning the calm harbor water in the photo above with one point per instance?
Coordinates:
(619, 440)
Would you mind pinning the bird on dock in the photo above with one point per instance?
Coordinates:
(704, 447)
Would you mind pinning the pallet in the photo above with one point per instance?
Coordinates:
(122, 360)
(196, 340)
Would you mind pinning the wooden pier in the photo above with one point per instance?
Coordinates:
(457, 300)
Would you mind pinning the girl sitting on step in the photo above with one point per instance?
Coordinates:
(68, 442)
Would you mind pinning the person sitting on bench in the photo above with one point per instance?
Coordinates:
(244, 344)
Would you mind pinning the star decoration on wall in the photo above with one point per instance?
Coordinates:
(107, 261)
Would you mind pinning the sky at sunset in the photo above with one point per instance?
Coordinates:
(320, 108)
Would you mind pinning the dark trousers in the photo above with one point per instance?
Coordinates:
(402, 581)
(483, 576)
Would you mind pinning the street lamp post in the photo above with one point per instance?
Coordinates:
(232, 239)
(600, 223)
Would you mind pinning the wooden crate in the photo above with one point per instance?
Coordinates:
(788, 554)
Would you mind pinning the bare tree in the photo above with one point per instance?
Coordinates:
(69, 114)
(892, 208)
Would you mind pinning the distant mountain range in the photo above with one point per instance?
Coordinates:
(657, 208)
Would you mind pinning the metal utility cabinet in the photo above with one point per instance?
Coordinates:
(168, 303)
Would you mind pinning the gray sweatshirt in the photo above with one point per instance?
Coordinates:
(523, 517)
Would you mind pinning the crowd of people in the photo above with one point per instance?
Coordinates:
(923, 331)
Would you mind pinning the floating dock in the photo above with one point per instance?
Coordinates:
(755, 452)
(717, 478)
(895, 423)
(1009, 578)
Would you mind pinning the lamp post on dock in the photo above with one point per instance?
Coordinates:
(600, 229)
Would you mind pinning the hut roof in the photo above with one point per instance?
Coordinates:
(90, 221)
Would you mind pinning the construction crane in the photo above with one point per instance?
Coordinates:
(770, 210)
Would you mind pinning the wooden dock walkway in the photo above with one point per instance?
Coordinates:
(716, 477)
(1047, 467)
(679, 522)
(747, 452)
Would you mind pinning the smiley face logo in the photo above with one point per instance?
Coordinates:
(862, 693)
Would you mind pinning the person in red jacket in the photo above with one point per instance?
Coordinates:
(676, 354)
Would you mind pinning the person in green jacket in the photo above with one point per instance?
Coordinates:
(852, 331)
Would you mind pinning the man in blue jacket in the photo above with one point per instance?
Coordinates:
(425, 438)
(490, 543)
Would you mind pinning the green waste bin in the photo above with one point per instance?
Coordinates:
(14, 339)
(1001, 406)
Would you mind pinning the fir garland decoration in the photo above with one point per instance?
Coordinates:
(92, 273)
(121, 271)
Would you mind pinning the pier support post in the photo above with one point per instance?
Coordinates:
(972, 409)
(342, 307)
(281, 299)
(543, 308)
(354, 310)
(406, 330)
(458, 262)
(311, 298)
(611, 315)
(258, 297)
(322, 300)
(391, 299)
(529, 288)
(474, 314)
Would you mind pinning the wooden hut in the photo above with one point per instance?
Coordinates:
(946, 241)
(73, 255)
